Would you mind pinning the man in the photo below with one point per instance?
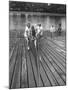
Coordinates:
(27, 34)
(33, 34)
(52, 29)
(59, 30)
(39, 30)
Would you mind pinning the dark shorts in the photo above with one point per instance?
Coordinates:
(33, 33)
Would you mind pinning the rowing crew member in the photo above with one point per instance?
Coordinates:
(27, 34)
(39, 30)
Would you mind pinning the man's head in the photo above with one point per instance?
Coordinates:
(28, 25)
(32, 27)
(60, 24)
(39, 25)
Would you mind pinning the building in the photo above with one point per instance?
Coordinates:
(44, 13)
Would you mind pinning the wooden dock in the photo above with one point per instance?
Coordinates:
(39, 67)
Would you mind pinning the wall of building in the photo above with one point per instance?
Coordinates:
(18, 21)
(63, 23)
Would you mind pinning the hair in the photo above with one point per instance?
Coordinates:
(60, 24)
(39, 24)
(32, 27)
(52, 25)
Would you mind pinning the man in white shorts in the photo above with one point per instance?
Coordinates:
(27, 34)
(52, 29)
(39, 30)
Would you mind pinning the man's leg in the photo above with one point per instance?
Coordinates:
(35, 43)
(27, 42)
(51, 34)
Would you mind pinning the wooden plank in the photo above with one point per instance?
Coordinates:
(58, 58)
(57, 67)
(17, 72)
(58, 49)
(41, 83)
(31, 82)
(59, 70)
(48, 72)
(12, 66)
(53, 70)
(45, 41)
(30, 74)
(11, 53)
(62, 66)
(53, 43)
(43, 74)
(54, 61)
(35, 69)
(44, 77)
(34, 53)
(54, 54)
(58, 54)
(24, 82)
(60, 43)
(57, 61)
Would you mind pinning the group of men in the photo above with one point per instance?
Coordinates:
(32, 32)
(58, 30)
